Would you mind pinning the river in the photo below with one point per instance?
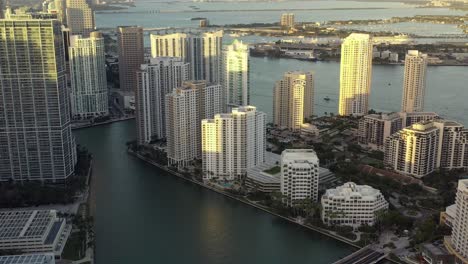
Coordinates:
(144, 215)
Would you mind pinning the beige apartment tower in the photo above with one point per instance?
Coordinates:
(236, 74)
(80, 17)
(293, 100)
(233, 143)
(131, 55)
(414, 84)
(89, 96)
(355, 75)
(186, 106)
(201, 49)
(413, 151)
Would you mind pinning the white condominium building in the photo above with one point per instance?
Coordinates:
(154, 81)
(202, 50)
(374, 129)
(299, 175)
(89, 95)
(293, 100)
(457, 244)
(186, 106)
(453, 145)
(33, 231)
(355, 75)
(422, 148)
(236, 74)
(80, 17)
(233, 143)
(287, 20)
(413, 150)
(414, 84)
(352, 205)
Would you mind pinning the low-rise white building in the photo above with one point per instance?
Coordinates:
(352, 205)
(299, 175)
(33, 231)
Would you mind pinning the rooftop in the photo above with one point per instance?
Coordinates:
(28, 259)
(351, 190)
(299, 155)
(25, 224)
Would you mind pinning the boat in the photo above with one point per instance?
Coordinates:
(327, 98)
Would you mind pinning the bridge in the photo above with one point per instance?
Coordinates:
(365, 255)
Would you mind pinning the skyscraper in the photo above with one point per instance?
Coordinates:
(202, 50)
(414, 84)
(457, 244)
(80, 17)
(36, 142)
(186, 106)
(131, 55)
(89, 96)
(293, 100)
(155, 80)
(299, 175)
(236, 75)
(355, 75)
(233, 143)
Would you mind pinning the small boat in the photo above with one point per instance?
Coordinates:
(389, 84)
(327, 98)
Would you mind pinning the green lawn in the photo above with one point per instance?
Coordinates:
(73, 248)
(273, 171)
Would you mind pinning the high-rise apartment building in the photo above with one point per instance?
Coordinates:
(287, 20)
(355, 75)
(374, 129)
(80, 17)
(414, 83)
(202, 50)
(299, 175)
(413, 150)
(233, 143)
(131, 55)
(422, 148)
(155, 81)
(89, 96)
(293, 100)
(457, 243)
(36, 142)
(186, 106)
(352, 205)
(236, 75)
(453, 145)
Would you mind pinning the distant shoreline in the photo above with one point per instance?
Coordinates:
(241, 10)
